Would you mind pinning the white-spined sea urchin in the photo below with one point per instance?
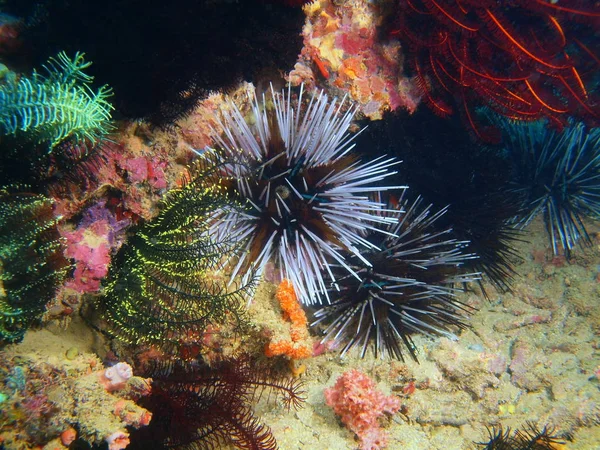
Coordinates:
(556, 174)
(309, 194)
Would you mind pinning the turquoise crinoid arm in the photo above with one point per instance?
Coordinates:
(58, 106)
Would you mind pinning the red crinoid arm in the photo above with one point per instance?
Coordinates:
(450, 15)
(504, 97)
(439, 107)
(445, 70)
(576, 97)
(433, 63)
(482, 74)
(542, 102)
(578, 79)
(554, 22)
(415, 9)
(512, 95)
(462, 8)
(557, 7)
(417, 39)
(587, 50)
(490, 135)
(551, 42)
(504, 31)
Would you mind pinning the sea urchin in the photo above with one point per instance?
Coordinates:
(557, 175)
(410, 286)
(308, 195)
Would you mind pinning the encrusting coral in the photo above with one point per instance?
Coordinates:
(54, 400)
(343, 52)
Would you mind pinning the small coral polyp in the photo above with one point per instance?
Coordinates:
(307, 193)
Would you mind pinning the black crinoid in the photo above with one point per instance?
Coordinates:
(199, 407)
(530, 439)
(183, 50)
(408, 285)
(555, 174)
(441, 163)
(165, 287)
(32, 265)
(307, 193)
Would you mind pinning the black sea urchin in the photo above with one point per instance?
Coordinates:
(531, 439)
(446, 168)
(408, 287)
(556, 175)
(308, 193)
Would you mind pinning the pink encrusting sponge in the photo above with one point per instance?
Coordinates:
(355, 398)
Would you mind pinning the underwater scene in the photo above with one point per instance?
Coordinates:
(296, 224)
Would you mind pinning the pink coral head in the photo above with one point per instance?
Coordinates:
(118, 440)
(115, 377)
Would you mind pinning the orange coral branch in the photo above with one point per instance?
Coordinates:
(299, 346)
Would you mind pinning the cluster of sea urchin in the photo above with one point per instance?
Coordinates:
(556, 175)
(308, 195)
(409, 285)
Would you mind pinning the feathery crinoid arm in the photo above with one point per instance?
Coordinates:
(56, 107)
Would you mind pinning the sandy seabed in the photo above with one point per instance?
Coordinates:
(530, 355)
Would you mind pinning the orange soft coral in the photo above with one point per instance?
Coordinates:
(299, 346)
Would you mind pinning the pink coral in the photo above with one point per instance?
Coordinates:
(89, 247)
(118, 440)
(115, 377)
(359, 404)
(145, 169)
(343, 37)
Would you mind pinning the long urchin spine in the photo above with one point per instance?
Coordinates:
(309, 195)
